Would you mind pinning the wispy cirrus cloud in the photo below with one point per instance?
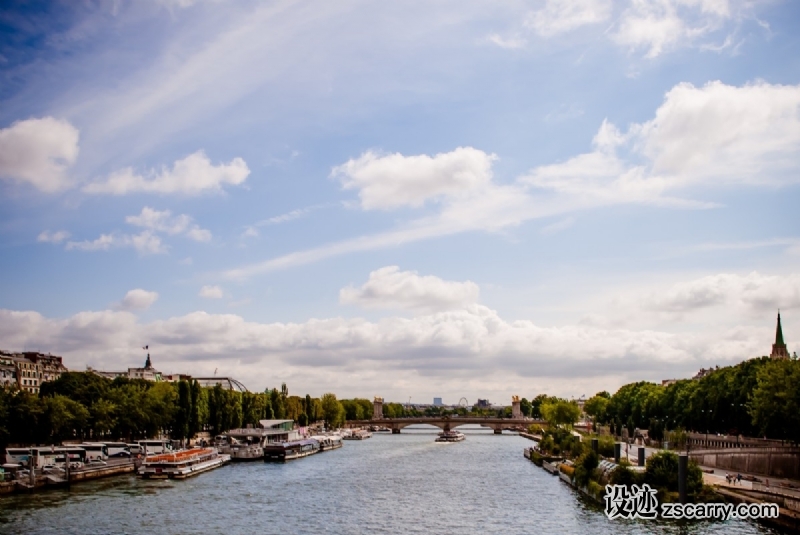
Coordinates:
(714, 136)
(53, 237)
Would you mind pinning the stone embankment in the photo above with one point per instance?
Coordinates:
(58, 479)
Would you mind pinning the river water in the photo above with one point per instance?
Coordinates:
(389, 484)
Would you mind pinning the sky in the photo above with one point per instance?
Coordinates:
(411, 199)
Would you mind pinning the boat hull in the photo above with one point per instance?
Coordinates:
(167, 468)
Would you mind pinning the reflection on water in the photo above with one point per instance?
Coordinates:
(388, 484)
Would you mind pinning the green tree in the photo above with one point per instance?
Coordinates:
(277, 400)
(333, 411)
(661, 473)
(102, 417)
(64, 418)
(183, 412)
(561, 412)
(775, 405)
(525, 407)
(585, 467)
(596, 408)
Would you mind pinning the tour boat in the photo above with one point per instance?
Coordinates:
(450, 436)
(182, 464)
(278, 452)
(358, 434)
(328, 442)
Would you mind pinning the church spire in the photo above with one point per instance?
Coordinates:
(779, 347)
(779, 332)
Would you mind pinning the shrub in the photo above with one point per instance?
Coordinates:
(596, 490)
(623, 475)
(585, 467)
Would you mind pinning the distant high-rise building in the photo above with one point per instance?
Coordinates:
(779, 347)
(437, 401)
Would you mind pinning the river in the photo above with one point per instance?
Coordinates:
(389, 484)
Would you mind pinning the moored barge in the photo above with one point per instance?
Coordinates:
(182, 464)
(279, 452)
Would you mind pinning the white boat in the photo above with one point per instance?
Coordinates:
(182, 464)
(450, 436)
(358, 434)
(328, 442)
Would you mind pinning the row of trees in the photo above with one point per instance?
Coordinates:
(83, 405)
(758, 397)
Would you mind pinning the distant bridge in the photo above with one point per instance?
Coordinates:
(446, 423)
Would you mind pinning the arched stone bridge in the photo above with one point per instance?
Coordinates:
(446, 423)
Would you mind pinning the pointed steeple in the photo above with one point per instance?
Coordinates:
(779, 347)
(779, 332)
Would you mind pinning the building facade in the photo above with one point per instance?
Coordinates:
(148, 372)
(28, 370)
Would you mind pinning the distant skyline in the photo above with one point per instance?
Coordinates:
(459, 199)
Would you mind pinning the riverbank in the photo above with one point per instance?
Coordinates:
(47, 481)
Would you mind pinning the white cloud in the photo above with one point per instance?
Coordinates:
(144, 243)
(138, 299)
(52, 237)
(388, 287)
(558, 226)
(715, 135)
(560, 16)
(394, 180)
(472, 346)
(747, 134)
(39, 151)
(754, 293)
(163, 221)
(192, 175)
(510, 43)
(211, 292)
(660, 25)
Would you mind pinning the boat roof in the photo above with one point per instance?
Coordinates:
(273, 423)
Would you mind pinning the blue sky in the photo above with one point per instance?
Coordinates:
(460, 199)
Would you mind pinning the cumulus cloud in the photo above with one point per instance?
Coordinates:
(560, 16)
(192, 175)
(38, 152)
(388, 287)
(163, 221)
(393, 180)
(146, 242)
(138, 299)
(715, 135)
(712, 136)
(52, 237)
(471, 345)
(754, 292)
(211, 292)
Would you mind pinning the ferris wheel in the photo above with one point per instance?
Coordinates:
(463, 402)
